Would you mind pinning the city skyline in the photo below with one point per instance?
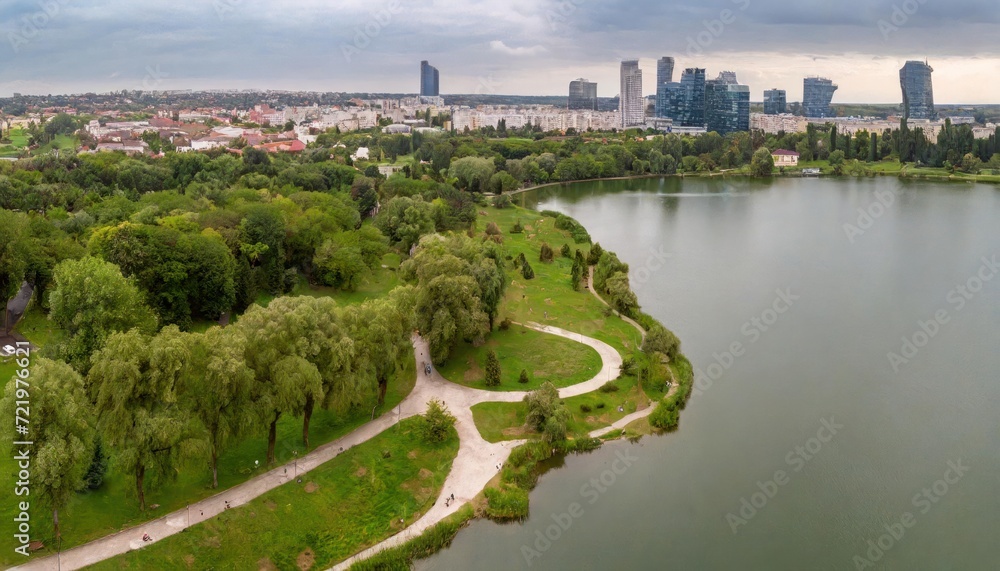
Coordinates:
(528, 48)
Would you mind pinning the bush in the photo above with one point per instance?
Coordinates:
(547, 254)
(526, 271)
(584, 407)
(659, 339)
(666, 416)
(523, 379)
(609, 387)
(505, 324)
(438, 422)
(600, 405)
(565, 251)
(628, 366)
(518, 228)
(502, 201)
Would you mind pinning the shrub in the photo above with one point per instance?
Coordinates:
(595, 255)
(659, 339)
(584, 407)
(600, 405)
(523, 379)
(609, 387)
(505, 324)
(628, 366)
(518, 228)
(565, 251)
(526, 271)
(666, 416)
(546, 255)
(502, 201)
(438, 422)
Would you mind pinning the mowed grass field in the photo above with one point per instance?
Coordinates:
(546, 358)
(363, 496)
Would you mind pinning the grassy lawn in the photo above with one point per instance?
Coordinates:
(499, 421)
(113, 507)
(61, 142)
(346, 505)
(549, 298)
(37, 328)
(545, 357)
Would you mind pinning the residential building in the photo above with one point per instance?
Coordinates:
(918, 90)
(632, 106)
(727, 105)
(775, 102)
(685, 101)
(785, 158)
(582, 95)
(816, 97)
(430, 84)
(774, 124)
(664, 77)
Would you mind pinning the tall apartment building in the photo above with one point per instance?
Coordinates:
(664, 77)
(632, 105)
(583, 95)
(816, 97)
(727, 104)
(918, 90)
(686, 100)
(775, 102)
(430, 84)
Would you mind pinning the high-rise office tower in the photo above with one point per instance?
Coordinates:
(686, 100)
(727, 104)
(918, 90)
(583, 95)
(775, 102)
(430, 85)
(664, 77)
(816, 97)
(632, 105)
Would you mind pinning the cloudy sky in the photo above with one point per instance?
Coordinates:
(495, 46)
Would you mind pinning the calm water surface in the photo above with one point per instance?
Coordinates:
(710, 257)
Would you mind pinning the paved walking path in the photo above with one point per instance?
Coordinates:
(477, 462)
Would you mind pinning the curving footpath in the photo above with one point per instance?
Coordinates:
(477, 462)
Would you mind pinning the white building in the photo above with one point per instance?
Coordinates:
(632, 106)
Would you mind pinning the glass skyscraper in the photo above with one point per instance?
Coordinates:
(775, 102)
(429, 80)
(918, 90)
(816, 97)
(632, 105)
(727, 105)
(582, 95)
(664, 77)
(685, 101)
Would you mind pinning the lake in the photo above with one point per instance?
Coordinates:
(846, 413)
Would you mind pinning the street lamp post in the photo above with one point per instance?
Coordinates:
(295, 463)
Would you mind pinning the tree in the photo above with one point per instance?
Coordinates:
(762, 163)
(526, 271)
(523, 379)
(134, 382)
(492, 369)
(448, 310)
(218, 389)
(621, 295)
(659, 339)
(473, 173)
(546, 254)
(565, 251)
(92, 300)
(282, 349)
(502, 201)
(62, 431)
(837, 159)
(595, 254)
(545, 413)
(13, 251)
(438, 422)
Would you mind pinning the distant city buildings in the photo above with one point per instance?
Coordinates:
(775, 102)
(664, 77)
(582, 95)
(727, 104)
(918, 90)
(632, 106)
(430, 80)
(816, 97)
(686, 100)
